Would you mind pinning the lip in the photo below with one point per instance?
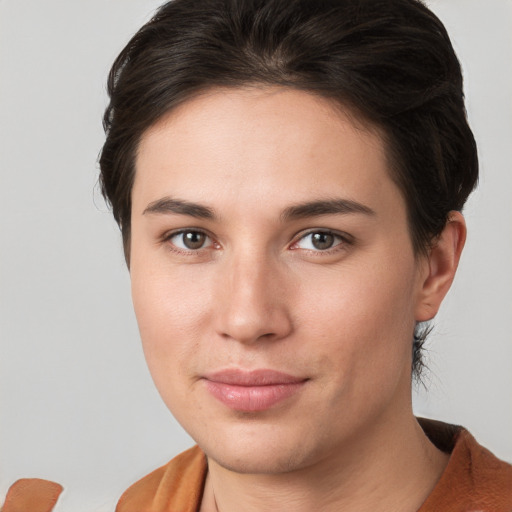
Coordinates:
(252, 391)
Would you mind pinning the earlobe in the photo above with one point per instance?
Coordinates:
(443, 260)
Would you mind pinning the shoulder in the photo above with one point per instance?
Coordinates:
(474, 479)
(176, 486)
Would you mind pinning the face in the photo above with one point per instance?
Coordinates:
(273, 277)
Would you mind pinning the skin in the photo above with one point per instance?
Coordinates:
(259, 294)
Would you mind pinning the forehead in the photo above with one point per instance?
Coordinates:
(250, 106)
(277, 143)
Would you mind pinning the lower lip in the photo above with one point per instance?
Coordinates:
(252, 398)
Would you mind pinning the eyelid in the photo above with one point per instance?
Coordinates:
(345, 239)
(167, 236)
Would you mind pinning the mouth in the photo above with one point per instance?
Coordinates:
(252, 391)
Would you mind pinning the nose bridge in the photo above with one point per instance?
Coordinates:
(252, 302)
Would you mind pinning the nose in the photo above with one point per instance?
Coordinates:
(252, 302)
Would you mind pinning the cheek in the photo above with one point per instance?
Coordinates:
(364, 321)
(368, 297)
(170, 315)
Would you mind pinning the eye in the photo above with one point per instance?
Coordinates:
(319, 241)
(190, 240)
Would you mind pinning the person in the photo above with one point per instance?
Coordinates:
(288, 177)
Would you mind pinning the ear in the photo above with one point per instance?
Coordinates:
(441, 265)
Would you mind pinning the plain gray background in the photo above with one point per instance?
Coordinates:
(77, 402)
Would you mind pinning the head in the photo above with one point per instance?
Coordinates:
(385, 67)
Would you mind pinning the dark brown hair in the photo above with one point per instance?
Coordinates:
(390, 61)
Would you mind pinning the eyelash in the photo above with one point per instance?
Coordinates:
(166, 239)
(343, 240)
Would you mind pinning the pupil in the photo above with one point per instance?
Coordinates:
(322, 240)
(193, 239)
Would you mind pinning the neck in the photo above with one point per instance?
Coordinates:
(391, 466)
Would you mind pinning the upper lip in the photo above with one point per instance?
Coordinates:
(260, 377)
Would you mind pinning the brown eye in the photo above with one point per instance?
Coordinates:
(193, 239)
(322, 241)
(190, 240)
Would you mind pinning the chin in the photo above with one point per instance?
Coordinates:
(255, 462)
(263, 452)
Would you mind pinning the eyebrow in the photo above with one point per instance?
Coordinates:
(179, 206)
(325, 207)
(169, 205)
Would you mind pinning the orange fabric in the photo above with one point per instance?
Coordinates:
(32, 495)
(474, 480)
(175, 487)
